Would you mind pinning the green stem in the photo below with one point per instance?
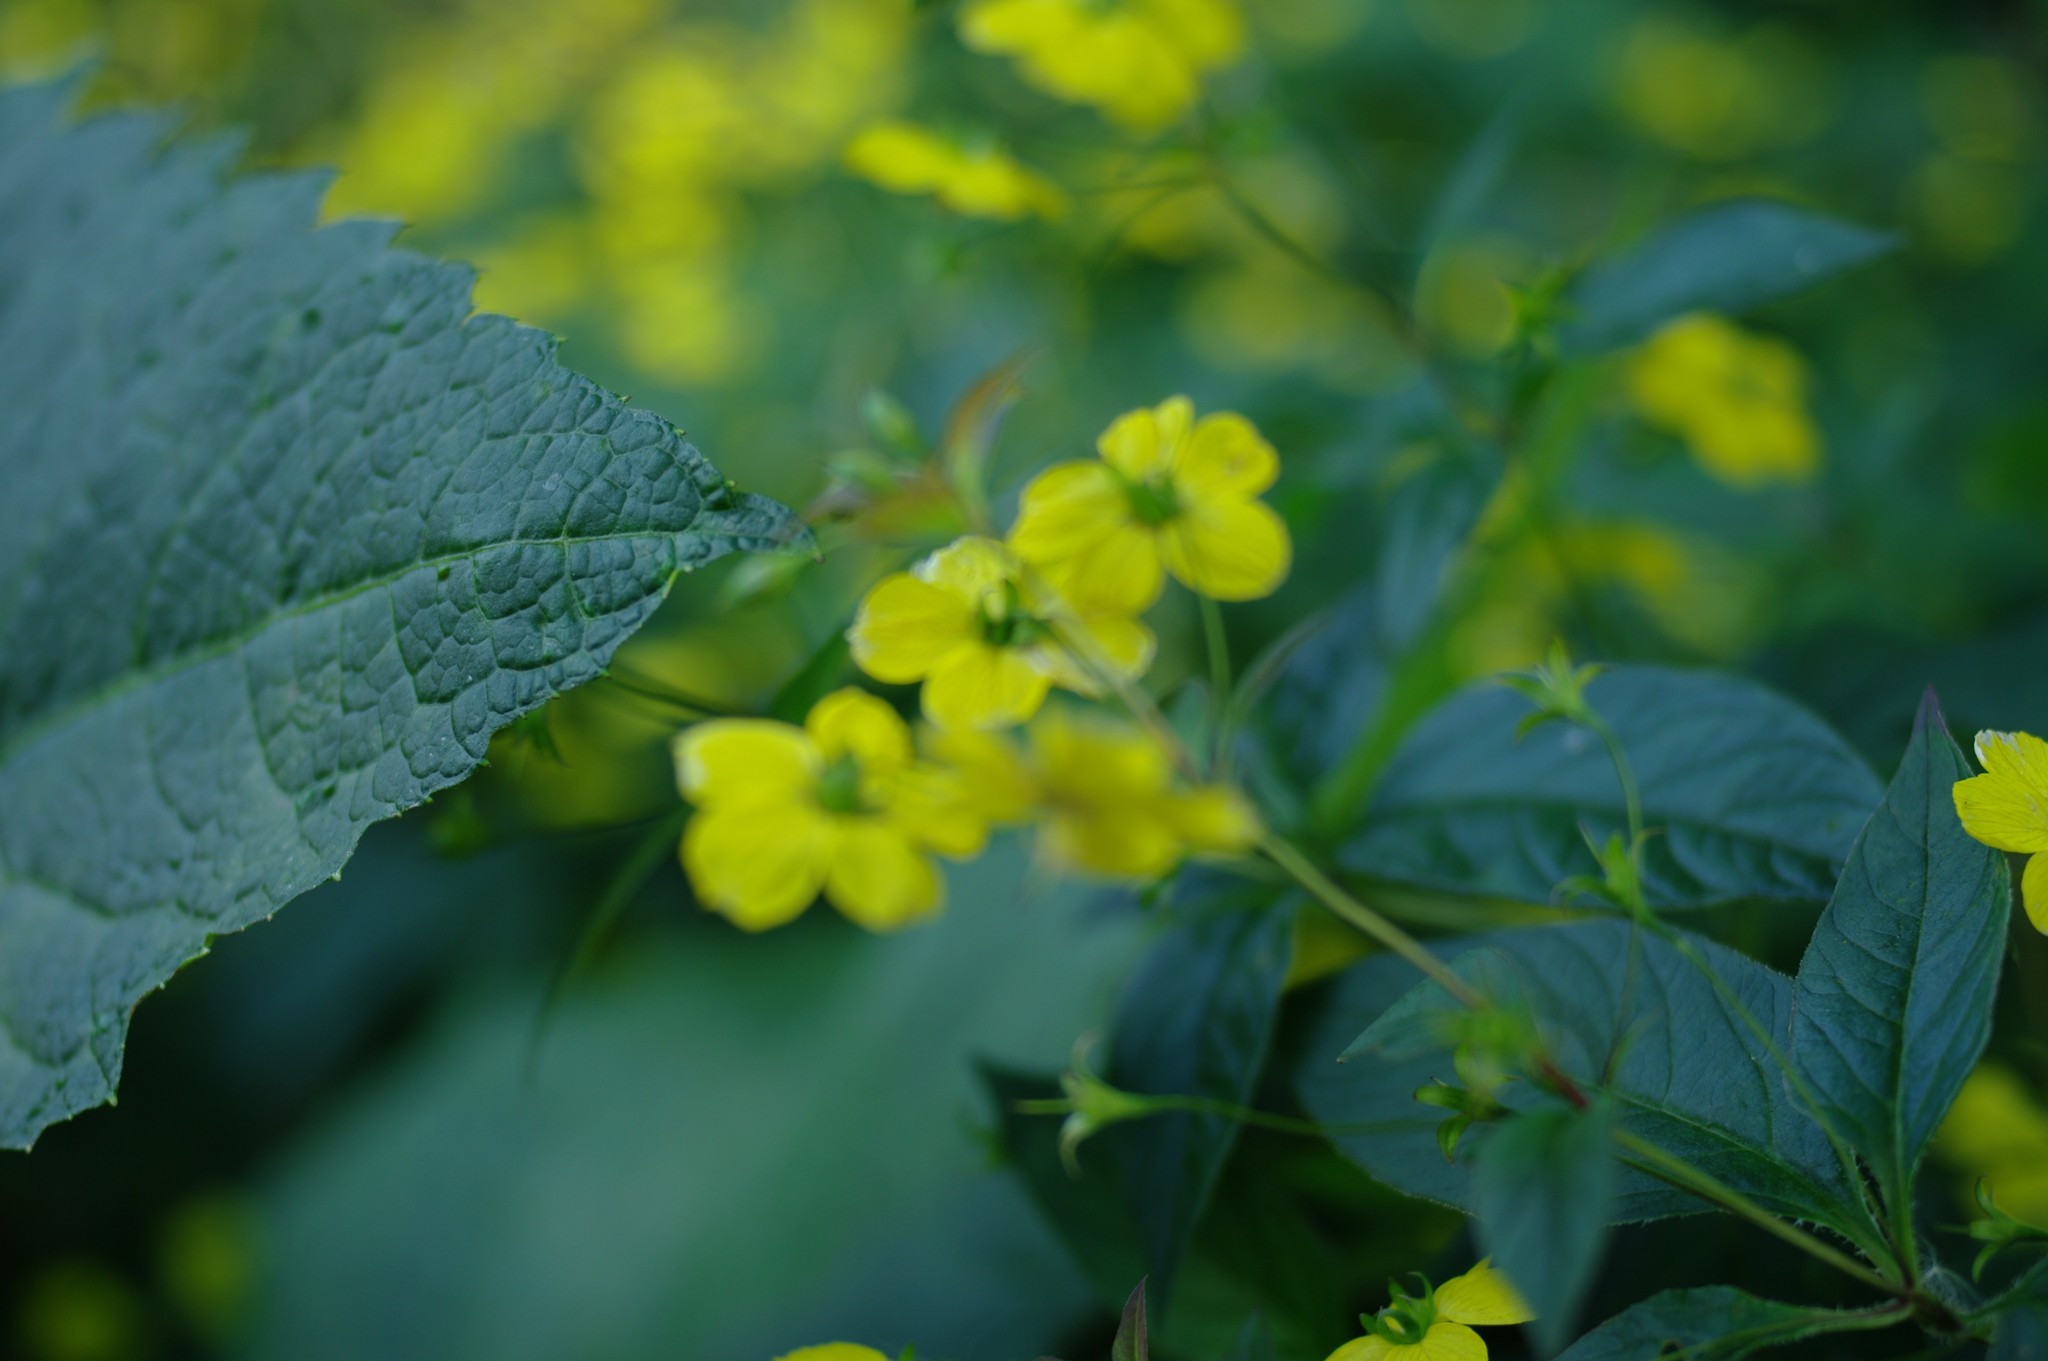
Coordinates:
(1327, 891)
(1624, 771)
(632, 876)
(1686, 1177)
(1218, 644)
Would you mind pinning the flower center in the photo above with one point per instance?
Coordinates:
(1004, 620)
(1407, 1321)
(1153, 501)
(839, 787)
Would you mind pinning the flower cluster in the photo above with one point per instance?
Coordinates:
(1738, 400)
(847, 806)
(1139, 61)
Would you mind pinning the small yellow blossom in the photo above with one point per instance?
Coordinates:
(985, 638)
(1102, 791)
(1437, 1325)
(2007, 807)
(1139, 61)
(972, 180)
(1737, 399)
(840, 805)
(1170, 494)
(834, 1351)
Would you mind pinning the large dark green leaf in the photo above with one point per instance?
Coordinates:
(1690, 1075)
(1750, 795)
(1726, 258)
(1197, 1021)
(294, 534)
(1895, 992)
(1714, 1323)
(1543, 1189)
(2021, 1335)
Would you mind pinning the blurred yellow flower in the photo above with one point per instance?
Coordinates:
(2007, 807)
(1102, 791)
(833, 1351)
(1721, 98)
(1998, 1130)
(840, 805)
(972, 180)
(985, 639)
(1139, 61)
(1170, 494)
(1438, 1325)
(1737, 399)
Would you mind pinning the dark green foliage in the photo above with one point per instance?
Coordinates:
(1750, 795)
(295, 535)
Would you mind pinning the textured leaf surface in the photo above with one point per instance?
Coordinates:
(1895, 991)
(1751, 795)
(1725, 258)
(1197, 1021)
(1714, 1323)
(1692, 1077)
(1543, 1190)
(293, 534)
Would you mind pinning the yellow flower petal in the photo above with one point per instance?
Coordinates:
(1226, 459)
(1127, 843)
(1366, 1348)
(744, 758)
(879, 878)
(998, 784)
(759, 863)
(980, 686)
(2034, 892)
(1212, 818)
(1094, 761)
(1445, 1341)
(833, 1351)
(1483, 1296)
(902, 157)
(934, 806)
(906, 626)
(1068, 509)
(1113, 642)
(855, 723)
(1229, 550)
(2007, 806)
(971, 569)
(1147, 443)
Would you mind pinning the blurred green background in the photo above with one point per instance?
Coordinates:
(360, 1131)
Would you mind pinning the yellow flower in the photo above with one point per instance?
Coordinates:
(1738, 400)
(1997, 1130)
(1437, 1326)
(834, 1351)
(2007, 807)
(984, 638)
(1170, 492)
(1139, 61)
(972, 180)
(839, 805)
(1103, 792)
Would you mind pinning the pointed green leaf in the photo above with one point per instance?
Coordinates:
(1894, 995)
(294, 533)
(1543, 1190)
(1713, 1323)
(1729, 257)
(1196, 1021)
(1687, 1071)
(1750, 795)
(1132, 1343)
